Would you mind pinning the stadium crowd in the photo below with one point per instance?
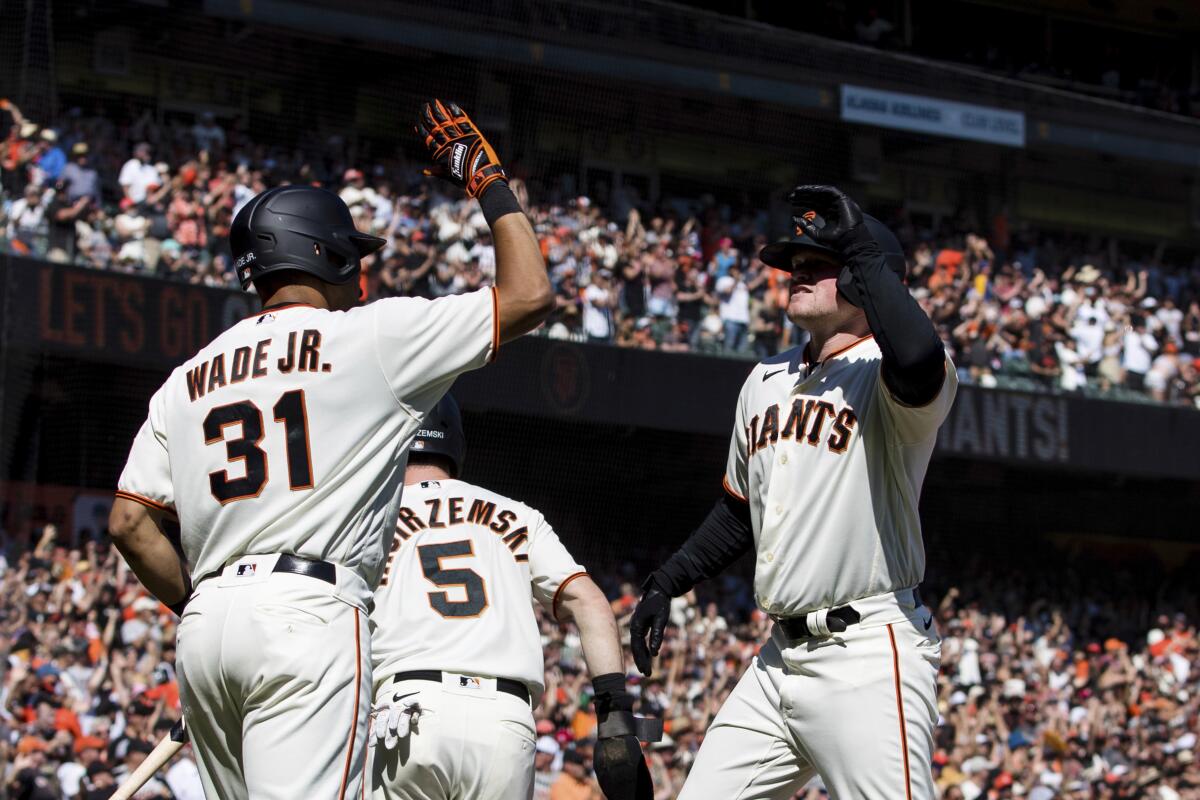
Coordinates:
(1015, 308)
(1090, 691)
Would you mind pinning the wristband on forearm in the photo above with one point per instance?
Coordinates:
(498, 201)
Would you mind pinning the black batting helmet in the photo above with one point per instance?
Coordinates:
(301, 228)
(779, 254)
(441, 434)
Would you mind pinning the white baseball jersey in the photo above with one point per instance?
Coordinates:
(456, 592)
(832, 466)
(289, 432)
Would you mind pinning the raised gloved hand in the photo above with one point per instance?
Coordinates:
(460, 152)
(843, 230)
(843, 219)
(392, 721)
(620, 766)
(650, 616)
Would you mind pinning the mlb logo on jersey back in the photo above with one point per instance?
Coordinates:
(247, 570)
(473, 685)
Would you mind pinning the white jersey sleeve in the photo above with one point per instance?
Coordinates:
(914, 424)
(737, 475)
(551, 567)
(147, 475)
(423, 345)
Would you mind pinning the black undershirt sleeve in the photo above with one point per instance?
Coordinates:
(914, 357)
(723, 537)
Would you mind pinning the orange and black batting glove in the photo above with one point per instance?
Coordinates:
(460, 153)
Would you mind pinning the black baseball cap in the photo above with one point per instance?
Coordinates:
(780, 254)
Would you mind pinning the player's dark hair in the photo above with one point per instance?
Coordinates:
(433, 460)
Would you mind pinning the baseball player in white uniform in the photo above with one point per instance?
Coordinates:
(456, 649)
(825, 466)
(279, 450)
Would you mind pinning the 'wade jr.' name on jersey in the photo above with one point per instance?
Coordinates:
(286, 433)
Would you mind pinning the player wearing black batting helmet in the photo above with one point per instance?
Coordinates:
(267, 474)
(454, 637)
(298, 228)
(441, 434)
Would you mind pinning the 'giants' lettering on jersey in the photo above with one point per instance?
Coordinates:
(806, 421)
(302, 354)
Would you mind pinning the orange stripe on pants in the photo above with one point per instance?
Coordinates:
(358, 694)
(900, 711)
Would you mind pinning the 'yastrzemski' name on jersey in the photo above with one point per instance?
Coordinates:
(451, 513)
(303, 354)
(806, 421)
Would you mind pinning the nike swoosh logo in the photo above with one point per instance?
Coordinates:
(929, 622)
(773, 374)
(397, 697)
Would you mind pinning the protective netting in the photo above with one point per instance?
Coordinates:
(654, 145)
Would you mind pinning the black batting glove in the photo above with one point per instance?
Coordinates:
(843, 218)
(649, 618)
(843, 231)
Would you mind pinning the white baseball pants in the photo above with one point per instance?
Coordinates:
(467, 744)
(274, 675)
(857, 708)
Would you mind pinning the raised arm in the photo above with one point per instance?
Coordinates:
(914, 359)
(464, 157)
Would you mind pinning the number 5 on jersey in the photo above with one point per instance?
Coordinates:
(291, 411)
(431, 556)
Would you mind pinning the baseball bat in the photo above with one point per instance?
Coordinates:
(171, 744)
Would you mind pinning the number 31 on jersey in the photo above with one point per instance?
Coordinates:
(290, 411)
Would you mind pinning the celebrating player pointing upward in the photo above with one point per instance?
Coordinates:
(825, 467)
(279, 448)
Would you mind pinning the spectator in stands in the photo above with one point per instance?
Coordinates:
(733, 295)
(132, 228)
(767, 326)
(208, 135)
(573, 783)
(185, 220)
(79, 177)
(990, 302)
(138, 174)
(1138, 350)
(599, 299)
(27, 219)
(62, 216)
(50, 158)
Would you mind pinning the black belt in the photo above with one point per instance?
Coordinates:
(321, 570)
(506, 685)
(837, 620)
